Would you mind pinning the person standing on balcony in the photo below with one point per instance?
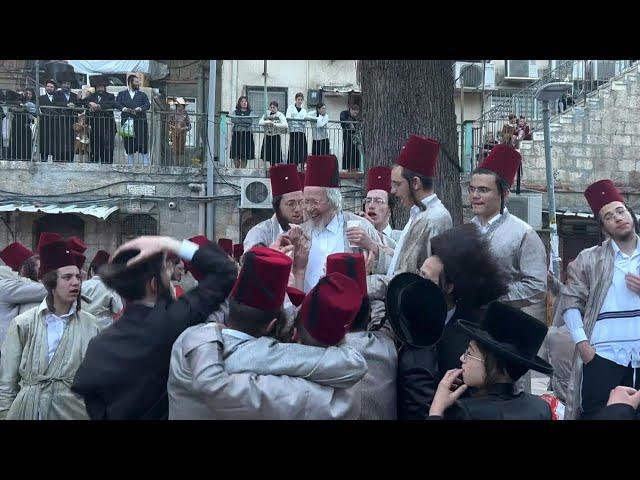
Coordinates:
(179, 125)
(600, 304)
(103, 126)
(20, 143)
(242, 146)
(64, 131)
(274, 124)
(412, 179)
(48, 117)
(134, 105)
(287, 201)
(319, 134)
(296, 117)
(350, 122)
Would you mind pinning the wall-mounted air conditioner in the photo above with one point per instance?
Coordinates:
(527, 207)
(520, 70)
(469, 74)
(256, 193)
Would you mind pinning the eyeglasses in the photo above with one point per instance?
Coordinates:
(294, 203)
(480, 190)
(466, 355)
(377, 201)
(611, 215)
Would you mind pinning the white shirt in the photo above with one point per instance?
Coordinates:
(616, 334)
(323, 243)
(415, 210)
(387, 230)
(132, 93)
(50, 97)
(485, 228)
(449, 315)
(55, 329)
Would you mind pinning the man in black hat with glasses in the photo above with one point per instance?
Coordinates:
(103, 126)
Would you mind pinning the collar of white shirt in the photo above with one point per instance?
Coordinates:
(425, 201)
(237, 334)
(132, 93)
(50, 316)
(334, 224)
(493, 219)
(617, 251)
(387, 230)
(450, 314)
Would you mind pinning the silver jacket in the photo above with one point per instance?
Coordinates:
(378, 387)
(17, 295)
(264, 233)
(219, 377)
(100, 301)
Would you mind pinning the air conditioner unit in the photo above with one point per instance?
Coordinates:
(520, 70)
(527, 207)
(469, 74)
(256, 193)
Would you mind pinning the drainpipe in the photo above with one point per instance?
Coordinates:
(211, 149)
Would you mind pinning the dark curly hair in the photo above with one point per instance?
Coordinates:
(470, 266)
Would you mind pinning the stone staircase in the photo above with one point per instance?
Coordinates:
(599, 139)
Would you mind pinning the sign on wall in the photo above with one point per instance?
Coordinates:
(141, 189)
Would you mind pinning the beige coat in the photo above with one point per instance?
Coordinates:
(100, 301)
(589, 277)
(17, 295)
(264, 233)
(31, 388)
(260, 379)
(520, 252)
(415, 249)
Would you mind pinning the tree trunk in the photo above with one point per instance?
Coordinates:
(404, 97)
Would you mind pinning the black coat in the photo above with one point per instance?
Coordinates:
(139, 99)
(617, 411)
(420, 369)
(499, 404)
(126, 367)
(102, 122)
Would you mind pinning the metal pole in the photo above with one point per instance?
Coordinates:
(551, 197)
(36, 151)
(266, 102)
(462, 120)
(200, 131)
(211, 146)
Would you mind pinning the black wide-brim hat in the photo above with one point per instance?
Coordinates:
(511, 335)
(66, 77)
(98, 81)
(416, 309)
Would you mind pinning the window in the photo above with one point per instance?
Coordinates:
(135, 225)
(256, 98)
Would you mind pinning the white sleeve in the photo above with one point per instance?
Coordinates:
(188, 250)
(573, 319)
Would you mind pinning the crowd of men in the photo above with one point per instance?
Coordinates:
(325, 314)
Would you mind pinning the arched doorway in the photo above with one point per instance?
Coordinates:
(66, 224)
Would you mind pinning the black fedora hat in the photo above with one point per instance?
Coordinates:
(512, 335)
(98, 80)
(68, 76)
(416, 309)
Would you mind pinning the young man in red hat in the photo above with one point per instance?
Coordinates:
(287, 201)
(45, 346)
(515, 243)
(377, 345)
(412, 179)
(329, 228)
(124, 374)
(20, 290)
(255, 316)
(600, 304)
(99, 300)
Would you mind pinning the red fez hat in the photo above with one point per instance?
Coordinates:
(504, 161)
(198, 240)
(301, 176)
(420, 155)
(349, 264)
(79, 258)
(226, 245)
(238, 250)
(172, 256)
(47, 237)
(296, 296)
(15, 254)
(379, 178)
(322, 171)
(100, 258)
(602, 193)
(263, 279)
(284, 179)
(55, 255)
(330, 308)
(77, 245)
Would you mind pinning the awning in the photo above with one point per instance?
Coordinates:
(99, 211)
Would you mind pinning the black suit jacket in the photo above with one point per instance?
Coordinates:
(126, 367)
(617, 411)
(139, 99)
(107, 103)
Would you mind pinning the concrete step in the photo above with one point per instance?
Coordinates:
(566, 118)
(630, 77)
(619, 85)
